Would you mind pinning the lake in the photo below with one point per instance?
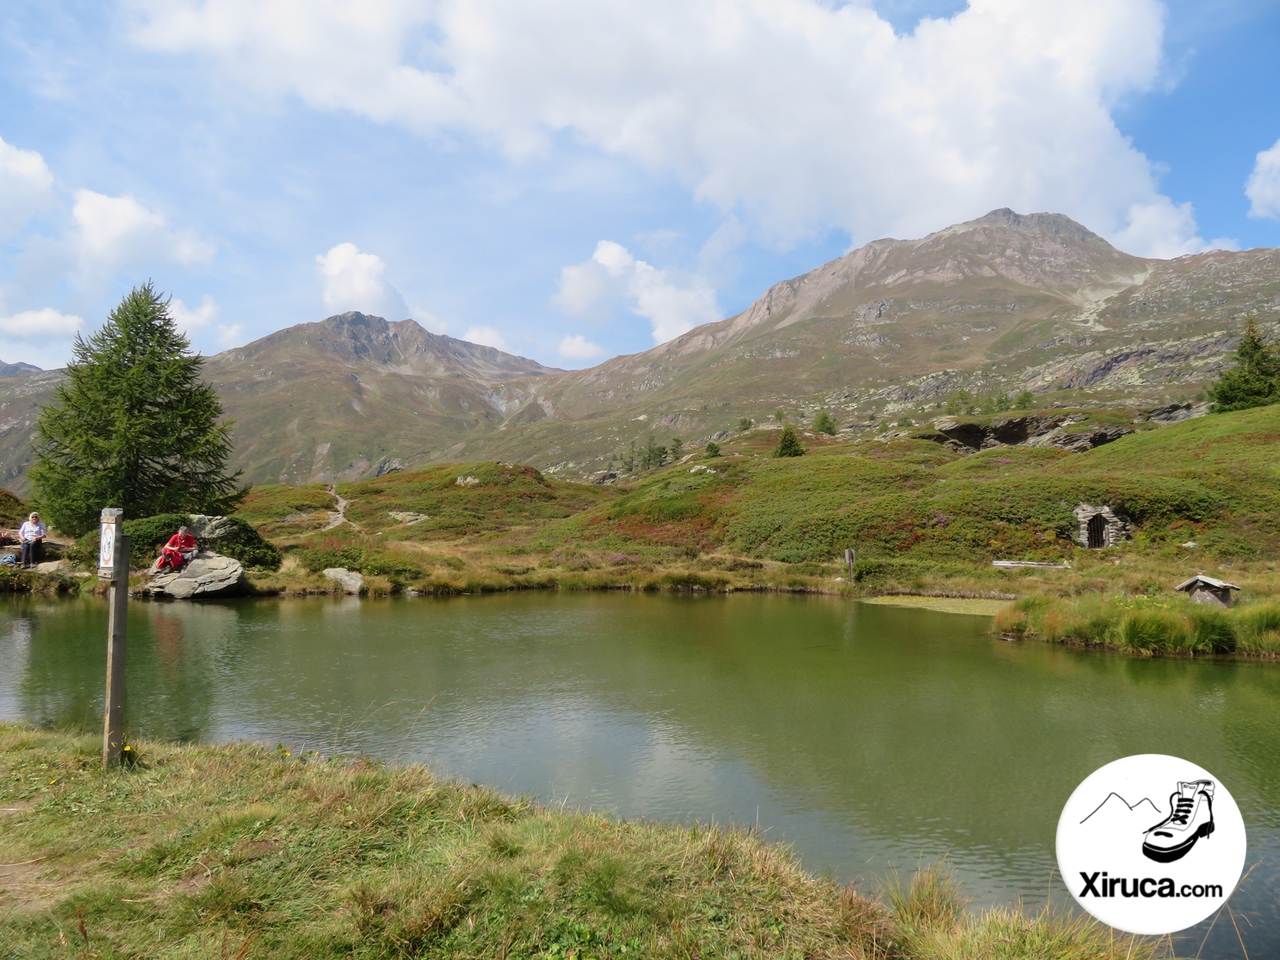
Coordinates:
(871, 738)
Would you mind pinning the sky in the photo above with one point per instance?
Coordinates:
(573, 179)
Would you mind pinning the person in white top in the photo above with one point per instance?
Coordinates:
(31, 537)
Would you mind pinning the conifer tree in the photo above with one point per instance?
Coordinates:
(788, 444)
(133, 426)
(824, 424)
(1255, 379)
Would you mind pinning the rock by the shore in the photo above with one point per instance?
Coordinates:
(207, 576)
(350, 580)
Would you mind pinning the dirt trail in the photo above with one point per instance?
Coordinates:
(338, 517)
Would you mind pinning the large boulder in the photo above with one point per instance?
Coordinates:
(207, 576)
(350, 581)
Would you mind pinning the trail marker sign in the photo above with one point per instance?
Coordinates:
(108, 540)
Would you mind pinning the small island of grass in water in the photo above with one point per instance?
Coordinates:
(239, 851)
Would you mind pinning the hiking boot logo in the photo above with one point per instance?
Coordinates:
(1190, 818)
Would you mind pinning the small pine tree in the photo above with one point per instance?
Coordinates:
(779, 415)
(824, 424)
(133, 426)
(677, 448)
(1255, 379)
(654, 454)
(1026, 399)
(788, 444)
(713, 449)
(745, 424)
(958, 402)
(1002, 402)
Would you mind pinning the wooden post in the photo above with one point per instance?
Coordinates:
(848, 559)
(117, 622)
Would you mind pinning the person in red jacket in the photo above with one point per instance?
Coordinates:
(175, 554)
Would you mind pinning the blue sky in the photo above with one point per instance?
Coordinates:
(571, 180)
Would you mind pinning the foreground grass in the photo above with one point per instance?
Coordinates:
(240, 852)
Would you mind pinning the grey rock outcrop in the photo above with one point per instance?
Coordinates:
(966, 437)
(350, 581)
(206, 529)
(1176, 412)
(207, 576)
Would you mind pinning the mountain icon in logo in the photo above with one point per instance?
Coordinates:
(1116, 812)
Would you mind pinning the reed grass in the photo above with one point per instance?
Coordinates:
(1147, 624)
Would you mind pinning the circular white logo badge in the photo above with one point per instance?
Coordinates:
(1151, 844)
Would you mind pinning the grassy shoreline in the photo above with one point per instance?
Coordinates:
(238, 851)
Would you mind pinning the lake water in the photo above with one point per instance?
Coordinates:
(871, 738)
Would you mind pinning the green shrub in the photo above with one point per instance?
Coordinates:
(332, 552)
(393, 566)
(1155, 630)
(242, 542)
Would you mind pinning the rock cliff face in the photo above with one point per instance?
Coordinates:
(1052, 431)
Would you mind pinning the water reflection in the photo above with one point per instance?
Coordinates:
(867, 736)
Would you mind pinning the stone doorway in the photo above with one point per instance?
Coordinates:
(1099, 526)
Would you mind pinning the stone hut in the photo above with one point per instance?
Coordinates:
(1098, 527)
(1202, 589)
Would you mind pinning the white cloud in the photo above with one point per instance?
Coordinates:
(26, 185)
(46, 324)
(189, 320)
(1263, 189)
(1163, 229)
(800, 114)
(578, 347)
(193, 322)
(114, 232)
(671, 306)
(231, 336)
(354, 281)
(585, 290)
(485, 336)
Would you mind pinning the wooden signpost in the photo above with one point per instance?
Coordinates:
(113, 565)
(849, 558)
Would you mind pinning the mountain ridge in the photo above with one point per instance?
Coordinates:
(891, 329)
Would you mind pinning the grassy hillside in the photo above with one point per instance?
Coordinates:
(922, 518)
(1211, 480)
(240, 852)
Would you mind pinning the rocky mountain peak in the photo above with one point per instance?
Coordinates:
(1055, 225)
(402, 346)
(12, 369)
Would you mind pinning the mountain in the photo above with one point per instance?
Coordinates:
(354, 395)
(1001, 303)
(9, 369)
(891, 329)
